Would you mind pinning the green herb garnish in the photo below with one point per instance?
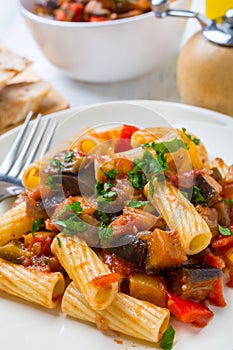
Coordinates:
(72, 225)
(228, 201)
(55, 163)
(111, 174)
(137, 179)
(58, 242)
(74, 207)
(151, 166)
(197, 195)
(193, 139)
(105, 232)
(151, 188)
(167, 340)
(185, 194)
(137, 204)
(225, 231)
(68, 158)
(36, 225)
(53, 182)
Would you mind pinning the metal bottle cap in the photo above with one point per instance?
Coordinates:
(217, 34)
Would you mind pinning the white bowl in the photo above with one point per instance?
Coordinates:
(108, 51)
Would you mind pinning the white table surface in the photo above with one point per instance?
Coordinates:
(157, 85)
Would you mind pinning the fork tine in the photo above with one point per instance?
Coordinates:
(14, 171)
(37, 144)
(9, 159)
(49, 138)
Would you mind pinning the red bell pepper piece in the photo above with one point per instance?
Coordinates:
(214, 261)
(97, 19)
(231, 219)
(222, 242)
(188, 311)
(123, 143)
(216, 296)
(230, 282)
(69, 12)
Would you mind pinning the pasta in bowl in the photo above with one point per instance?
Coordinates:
(129, 226)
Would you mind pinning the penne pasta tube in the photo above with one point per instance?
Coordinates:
(125, 314)
(32, 285)
(14, 223)
(94, 279)
(180, 215)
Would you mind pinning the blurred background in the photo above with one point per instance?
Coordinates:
(160, 84)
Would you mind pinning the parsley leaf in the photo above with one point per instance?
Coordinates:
(225, 231)
(161, 148)
(151, 188)
(36, 225)
(228, 201)
(193, 139)
(68, 158)
(137, 179)
(167, 340)
(105, 232)
(75, 207)
(197, 195)
(72, 225)
(55, 163)
(58, 242)
(111, 174)
(53, 182)
(152, 166)
(102, 216)
(136, 204)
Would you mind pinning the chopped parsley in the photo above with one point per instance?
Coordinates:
(53, 182)
(137, 179)
(71, 224)
(185, 194)
(151, 188)
(228, 201)
(105, 232)
(68, 158)
(36, 225)
(58, 241)
(197, 195)
(151, 166)
(55, 163)
(225, 231)
(111, 174)
(193, 139)
(102, 189)
(167, 340)
(136, 204)
(75, 207)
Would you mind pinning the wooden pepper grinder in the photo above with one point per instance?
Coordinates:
(205, 63)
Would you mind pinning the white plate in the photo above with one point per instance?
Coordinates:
(25, 326)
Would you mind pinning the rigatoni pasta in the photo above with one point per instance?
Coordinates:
(90, 274)
(14, 223)
(39, 287)
(180, 215)
(121, 228)
(125, 314)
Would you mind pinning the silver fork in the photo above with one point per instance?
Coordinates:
(23, 152)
